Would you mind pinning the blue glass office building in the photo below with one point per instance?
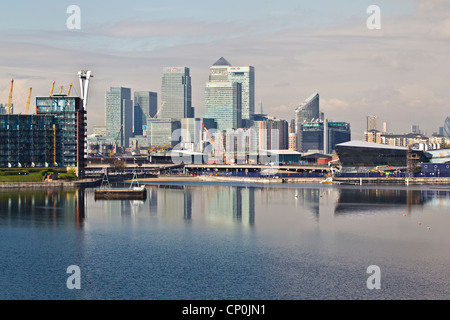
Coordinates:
(53, 137)
(223, 102)
(176, 93)
(119, 115)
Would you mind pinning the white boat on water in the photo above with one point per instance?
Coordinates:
(327, 180)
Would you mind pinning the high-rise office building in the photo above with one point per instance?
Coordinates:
(223, 103)
(176, 93)
(145, 105)
(446, 130)
(218, 72)
(308, 111)
(119, 115)
(323, 136)
(311, 137)
(415, 128)
(373, 123)
(161, 132)
(337, 132)
(223, 71)
(246, 77)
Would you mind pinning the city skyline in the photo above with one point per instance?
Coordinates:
(396, 72)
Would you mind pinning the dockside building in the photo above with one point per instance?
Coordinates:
(53, 137)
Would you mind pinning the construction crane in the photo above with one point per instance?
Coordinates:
(8, 110)
(212, 141)
(113, 151)
(51, 90)
(68, 91)
(28, 102)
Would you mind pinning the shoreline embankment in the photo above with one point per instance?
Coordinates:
(91, 183)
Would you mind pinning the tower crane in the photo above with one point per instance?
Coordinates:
(113, 151)
(212, 141)
(8, 109)
(28, 102)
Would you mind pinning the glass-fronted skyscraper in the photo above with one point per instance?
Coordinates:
(161, 132)
(246, 77)
(119, 115)
(54, 137)
(176, 93)
(337, 132)
(311, 137)
(145, 105)
(308, 111)
(223, 103)
(323, 136)
(446, 129)
(223, 71)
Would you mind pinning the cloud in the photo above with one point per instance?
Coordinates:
(441, 30)
(334, 105)
(419, 97)
(356, 71)
(132, 28)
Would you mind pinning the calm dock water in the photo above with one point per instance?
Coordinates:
(227, 241)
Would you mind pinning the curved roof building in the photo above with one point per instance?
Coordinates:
(367, 154)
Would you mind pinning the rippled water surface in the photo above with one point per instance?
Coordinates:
(203, 241)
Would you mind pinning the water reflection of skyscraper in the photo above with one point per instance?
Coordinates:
(213, 203)
(175, 201)
(229, 203)
(308, 199)
(43, 208)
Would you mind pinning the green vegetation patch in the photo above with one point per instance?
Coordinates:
(34, 174)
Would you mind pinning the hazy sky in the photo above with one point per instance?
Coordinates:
(400, 73)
